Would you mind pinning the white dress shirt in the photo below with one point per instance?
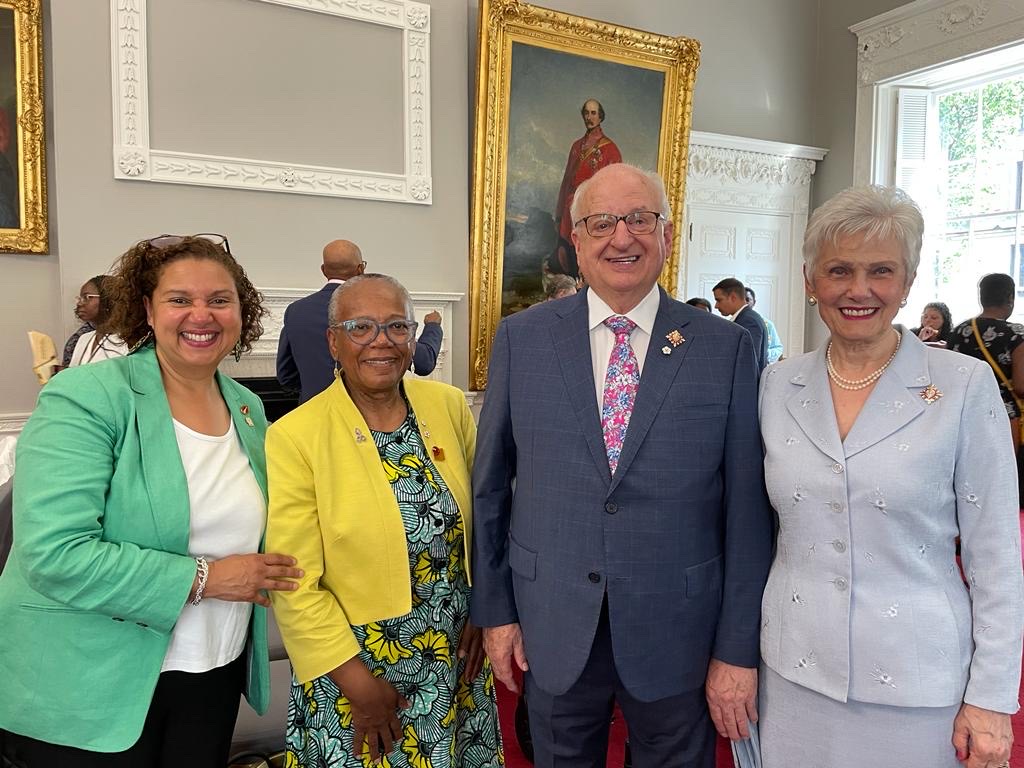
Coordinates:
(602, 340)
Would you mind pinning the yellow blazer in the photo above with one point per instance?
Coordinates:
(332, 507)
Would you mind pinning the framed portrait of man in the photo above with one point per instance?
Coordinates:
(558, 98)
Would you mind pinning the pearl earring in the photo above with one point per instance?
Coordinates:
(812, 301)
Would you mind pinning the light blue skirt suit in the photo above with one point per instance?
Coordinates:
(870, 638)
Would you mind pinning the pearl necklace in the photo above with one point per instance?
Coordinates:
(867, 381)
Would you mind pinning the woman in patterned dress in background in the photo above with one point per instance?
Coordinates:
(370, 483)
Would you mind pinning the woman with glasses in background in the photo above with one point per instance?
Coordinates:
(99, 343)
(370, 490)
(87, 308)
(128, 625)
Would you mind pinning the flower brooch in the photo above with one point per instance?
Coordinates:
(675, 338)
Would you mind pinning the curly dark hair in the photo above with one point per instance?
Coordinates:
(947, 318)
(136, 273)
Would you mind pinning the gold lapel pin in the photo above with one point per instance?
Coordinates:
(931, 393)
(360, 437)
(245, 412)
(675, 338)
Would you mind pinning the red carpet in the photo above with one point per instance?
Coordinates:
(514, 757)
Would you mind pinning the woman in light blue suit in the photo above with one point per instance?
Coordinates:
(880, 452)
(128, 628)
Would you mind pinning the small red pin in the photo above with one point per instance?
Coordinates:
(438, 453)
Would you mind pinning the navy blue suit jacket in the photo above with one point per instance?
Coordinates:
(754, 324)
(679, 537)
(304, 362)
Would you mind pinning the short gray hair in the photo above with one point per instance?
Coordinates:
(878, 213)
(352, 282)
(652, 179)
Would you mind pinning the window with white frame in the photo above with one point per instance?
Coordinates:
(959, 151)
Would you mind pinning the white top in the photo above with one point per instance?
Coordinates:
(228, 514)
(87, 351)
(602, 340)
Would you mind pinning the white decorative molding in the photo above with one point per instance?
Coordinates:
(911, 39)
(134, 158)
(749, 173)
(261, 361)
(13, 423)
(748, 167)
(970, 15)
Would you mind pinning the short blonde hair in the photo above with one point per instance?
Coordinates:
(876, 212)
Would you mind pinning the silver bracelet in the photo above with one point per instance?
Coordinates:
(203, 569)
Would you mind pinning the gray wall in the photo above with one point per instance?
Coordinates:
(835, 106)
(781, 70)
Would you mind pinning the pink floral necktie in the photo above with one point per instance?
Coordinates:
(620, 385)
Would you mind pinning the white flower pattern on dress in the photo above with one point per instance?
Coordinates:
(805, 662)
(882, 677)
(879, 501)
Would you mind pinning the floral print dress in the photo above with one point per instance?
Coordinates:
(449, 724)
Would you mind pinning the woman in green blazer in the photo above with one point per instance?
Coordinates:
(128, 627)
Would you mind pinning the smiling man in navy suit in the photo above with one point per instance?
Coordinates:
(304, 362)
(622, 534)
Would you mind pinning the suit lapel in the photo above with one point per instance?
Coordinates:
(571, 339)
(658, 374)
(812, 409)
(162, 470)
(895, 400)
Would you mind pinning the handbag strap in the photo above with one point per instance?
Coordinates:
(996, 367)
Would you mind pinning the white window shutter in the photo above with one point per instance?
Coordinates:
(914, 113)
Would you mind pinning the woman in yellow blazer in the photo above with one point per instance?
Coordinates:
(128, 630)
(370, 490)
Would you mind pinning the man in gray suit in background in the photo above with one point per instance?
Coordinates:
(622, 534)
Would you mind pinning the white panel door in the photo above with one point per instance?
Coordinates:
(754, 247)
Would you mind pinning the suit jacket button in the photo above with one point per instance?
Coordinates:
(837, 468)
(840, 583)
(839, 545)
(611, 508)
(594, 576)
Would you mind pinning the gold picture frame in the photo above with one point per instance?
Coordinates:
(525, 55)
(23, 206)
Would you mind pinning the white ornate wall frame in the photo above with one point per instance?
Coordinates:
(913, 38)
(135, 159)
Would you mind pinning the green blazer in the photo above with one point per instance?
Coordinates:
(99, 570)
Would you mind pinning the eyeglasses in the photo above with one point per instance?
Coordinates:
(86, 297)
(637, 223)
(169, 241)
(364, 331)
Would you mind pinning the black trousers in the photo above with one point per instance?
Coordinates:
(190, 722)
(571, 730)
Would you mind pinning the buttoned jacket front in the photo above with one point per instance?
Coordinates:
(865, 600)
